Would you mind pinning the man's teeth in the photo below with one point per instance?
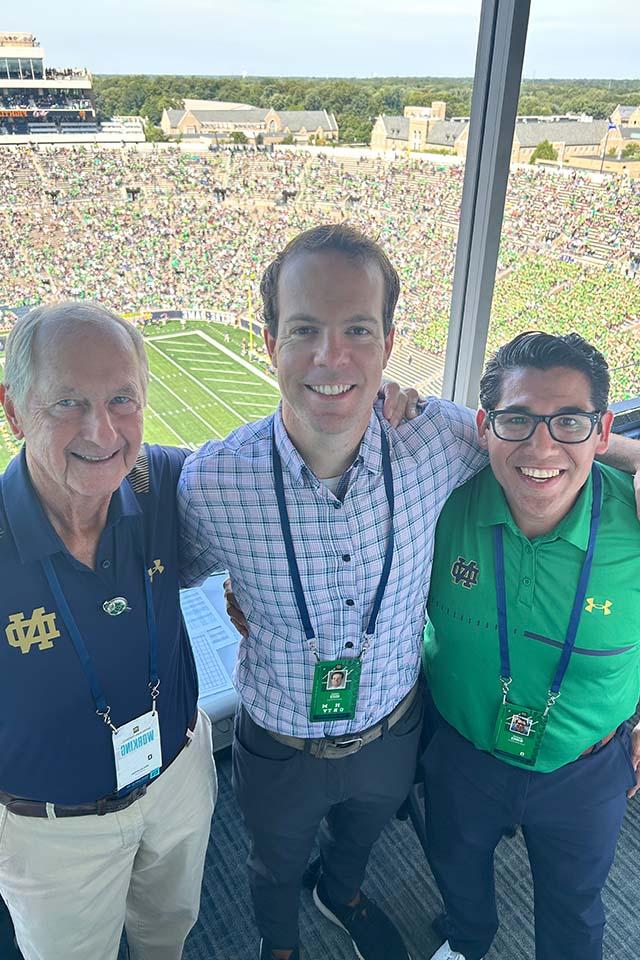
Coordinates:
(331, 390)
(83, 456)
(539, 474)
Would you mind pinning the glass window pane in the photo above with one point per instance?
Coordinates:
(570, 248)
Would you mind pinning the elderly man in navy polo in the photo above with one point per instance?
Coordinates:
(107, 781)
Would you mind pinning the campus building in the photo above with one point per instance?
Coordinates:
(218, 121)
(577, 140)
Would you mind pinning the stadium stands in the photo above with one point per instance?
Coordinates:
(152, 230)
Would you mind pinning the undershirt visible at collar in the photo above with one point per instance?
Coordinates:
(339, 485)
(333, 483)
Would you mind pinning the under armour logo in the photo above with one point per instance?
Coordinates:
(591, 605)
(156, 568)
(40, 629)
(465, 572)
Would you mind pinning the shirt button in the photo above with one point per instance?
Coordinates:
(106, 564)
(350, 603)
(349, 645)
(346, 557)
(337, 505)
(526, 581)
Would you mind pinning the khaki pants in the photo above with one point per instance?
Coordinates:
(71, 883)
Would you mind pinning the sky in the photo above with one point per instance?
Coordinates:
(323, 38)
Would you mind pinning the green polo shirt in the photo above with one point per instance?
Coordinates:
(461, 654)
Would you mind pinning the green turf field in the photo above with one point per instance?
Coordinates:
(200, 388)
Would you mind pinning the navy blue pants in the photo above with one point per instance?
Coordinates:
(570, 821)
(8, 949)
(287, 797)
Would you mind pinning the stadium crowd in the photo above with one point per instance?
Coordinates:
(200, 229)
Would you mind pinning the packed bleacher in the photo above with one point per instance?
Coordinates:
(173, 230)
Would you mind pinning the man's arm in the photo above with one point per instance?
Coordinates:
(198, 543)
(624, 454)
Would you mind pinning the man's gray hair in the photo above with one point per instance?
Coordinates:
(19, 359)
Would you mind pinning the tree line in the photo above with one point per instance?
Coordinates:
(355, 102)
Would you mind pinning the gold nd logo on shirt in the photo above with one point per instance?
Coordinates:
(39, 629)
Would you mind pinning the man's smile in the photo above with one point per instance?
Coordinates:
(86, 458)
(539, 475)
(330, 389)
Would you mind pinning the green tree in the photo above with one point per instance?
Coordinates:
(544, 151)
(631, 151)
(153, 134)
(239, 137)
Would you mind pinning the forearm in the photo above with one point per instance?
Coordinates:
(623, 453)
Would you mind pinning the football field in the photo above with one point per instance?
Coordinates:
(199, 389)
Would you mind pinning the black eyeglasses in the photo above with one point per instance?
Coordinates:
(513, 426)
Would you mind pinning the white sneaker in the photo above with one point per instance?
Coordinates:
(446, 953)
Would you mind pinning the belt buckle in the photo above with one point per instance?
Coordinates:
(339, 744)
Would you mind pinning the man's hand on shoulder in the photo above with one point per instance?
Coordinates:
(399, 403)
(234, 612)
(624, 454)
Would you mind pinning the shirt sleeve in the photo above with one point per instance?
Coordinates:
(460, 423)
(198, 541)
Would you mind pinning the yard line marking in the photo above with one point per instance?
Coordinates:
(239, 360)
(172, 336)
(169, 427)
(222, 349)
(195, 348)
(206, 364)
(243, 383)
(214, 368)
(183, 403)
(234, 392)
(201, 385)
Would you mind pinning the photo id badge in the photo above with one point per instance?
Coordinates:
(335, 690)
(137, 750)
(518, 734)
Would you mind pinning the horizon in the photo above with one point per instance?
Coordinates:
(380, 76)
(358, 39)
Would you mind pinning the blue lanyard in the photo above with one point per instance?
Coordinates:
(102, 708)
(294, 571)
(578, 603)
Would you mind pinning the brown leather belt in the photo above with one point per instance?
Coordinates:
(37, 808)
(331, 748)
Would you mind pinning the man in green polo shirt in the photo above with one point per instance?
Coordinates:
(532, 653)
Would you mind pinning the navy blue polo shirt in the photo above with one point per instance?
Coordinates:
(53, 747)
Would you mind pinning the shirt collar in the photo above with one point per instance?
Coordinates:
(32, 531)
(574, 526)
(369, 454)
